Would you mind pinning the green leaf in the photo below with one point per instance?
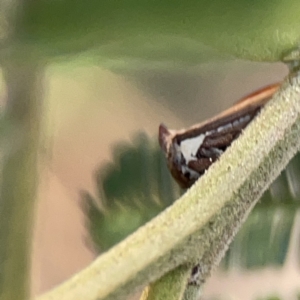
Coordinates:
(162, 32)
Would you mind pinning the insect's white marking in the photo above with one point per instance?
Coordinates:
(241, 120)
(234, 124)
(189, 147)
(184, 168)
(222, 128)
(217, 151)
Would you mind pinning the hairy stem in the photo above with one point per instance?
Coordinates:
(169, 287)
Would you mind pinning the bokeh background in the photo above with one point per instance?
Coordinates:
(101, 147)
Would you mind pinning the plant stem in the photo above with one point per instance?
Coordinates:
(19, 178)
(199, 227)
(169, 287)
(192, 292)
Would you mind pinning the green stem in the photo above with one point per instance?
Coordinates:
(192, 292)
(19, 179)
(199, 227)
(169, 287)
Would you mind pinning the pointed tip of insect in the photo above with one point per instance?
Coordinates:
(163, 133)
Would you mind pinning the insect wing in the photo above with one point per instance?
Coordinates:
(190, 152)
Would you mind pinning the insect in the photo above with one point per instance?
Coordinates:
(190, 152)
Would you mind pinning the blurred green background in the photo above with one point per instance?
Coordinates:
(115, 70)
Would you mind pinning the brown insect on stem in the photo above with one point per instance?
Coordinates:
(190, 152)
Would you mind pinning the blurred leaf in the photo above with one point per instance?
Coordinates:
(132, 191)
(161, 33)
(264, 238)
